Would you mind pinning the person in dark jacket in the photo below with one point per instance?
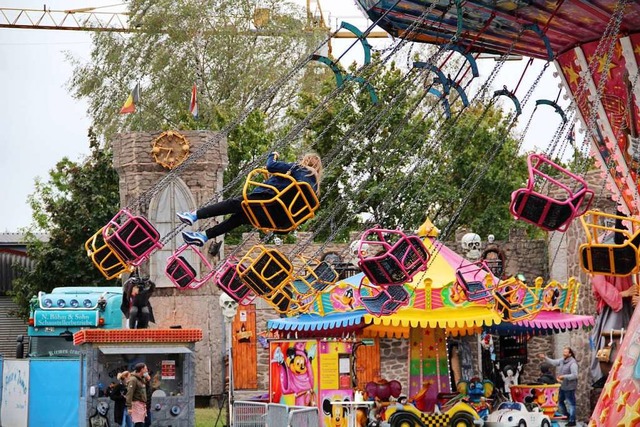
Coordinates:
(567, 375)
(137, 394)
(135, 302)
(119, 396)
(308, 170)
(546, 376)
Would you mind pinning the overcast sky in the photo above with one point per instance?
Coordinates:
(41, 123)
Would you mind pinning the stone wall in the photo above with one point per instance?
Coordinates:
(139, 173)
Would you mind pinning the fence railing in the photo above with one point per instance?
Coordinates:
(304, 417)
(256, 414)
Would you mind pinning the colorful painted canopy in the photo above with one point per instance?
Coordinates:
(544, 323)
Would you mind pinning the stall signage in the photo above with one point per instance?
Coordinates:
(368, 342)
(77, 318)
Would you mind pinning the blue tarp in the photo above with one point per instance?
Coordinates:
(54, 392)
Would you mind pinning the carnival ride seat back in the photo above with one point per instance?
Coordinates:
(108, 262)
(228, 279)
(515, 301)
(268, 273)
(550, 213)
(132, 237)
(387, 301)
(182, 274)
(476, 280)
(397, 262)
(614, 259)
(285, 210)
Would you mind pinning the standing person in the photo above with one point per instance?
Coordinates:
(568, 377)
(308, 170)
(137, 394)
(119, 397)
(136, 304)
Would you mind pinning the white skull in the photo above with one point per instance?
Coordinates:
(360, 250)
(491, 238)
(229, 306)
(471, 243)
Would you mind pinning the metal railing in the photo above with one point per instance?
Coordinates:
(303, 417)
(249, 414)
(255, 414)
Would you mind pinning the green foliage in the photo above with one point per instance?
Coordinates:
(211, 42)
(406, 163)
(78, 200)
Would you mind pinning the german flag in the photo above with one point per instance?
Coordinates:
(130, 104)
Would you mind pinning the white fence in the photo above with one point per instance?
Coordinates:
(254, 414)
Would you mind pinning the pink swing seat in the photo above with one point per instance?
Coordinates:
(228, 279)
(477, 281)
(550, 213)
(398, 257)
(182, 274)
(131, 237)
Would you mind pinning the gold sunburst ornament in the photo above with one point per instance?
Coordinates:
(170, 149)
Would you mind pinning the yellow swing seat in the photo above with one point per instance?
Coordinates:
(318, 277)
(110, 264)
(269, 274)
(283, 212)
(612, 259)
(514, 300)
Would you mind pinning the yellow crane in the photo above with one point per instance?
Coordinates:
(91, 19)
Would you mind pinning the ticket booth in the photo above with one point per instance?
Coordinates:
(169, 356)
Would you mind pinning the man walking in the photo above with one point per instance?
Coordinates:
(568, 377)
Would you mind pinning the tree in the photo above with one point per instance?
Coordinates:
(233, 49)
(78, 199)
(405, 162)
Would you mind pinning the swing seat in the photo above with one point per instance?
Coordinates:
(268, 273)
(550, 213)
(613, 259)
(319, 277)
(228, 280)
(182, 274)
(286, 210)
(387, 301)
(109, 262)
(476, 280)
(399, 257)
(132, 237)
(515, 300)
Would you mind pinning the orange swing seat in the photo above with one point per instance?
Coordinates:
(283, 212)
(598, 256)
(108, 261)
(269, 274)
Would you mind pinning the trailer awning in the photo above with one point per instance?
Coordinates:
(334, 322)
(544, 323)
(144, 350)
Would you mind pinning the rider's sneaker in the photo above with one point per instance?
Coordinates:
(194, 238)
(187, 217)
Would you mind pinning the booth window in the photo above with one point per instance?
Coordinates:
(166, 369)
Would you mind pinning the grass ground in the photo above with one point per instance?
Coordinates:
(211, 417)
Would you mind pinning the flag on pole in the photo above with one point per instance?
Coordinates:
(193, 105)
(130, 104)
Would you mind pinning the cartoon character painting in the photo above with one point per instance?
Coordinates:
(292, 372)
(335, 415)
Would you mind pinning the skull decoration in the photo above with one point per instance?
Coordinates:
(471, 244)
(229, 306)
